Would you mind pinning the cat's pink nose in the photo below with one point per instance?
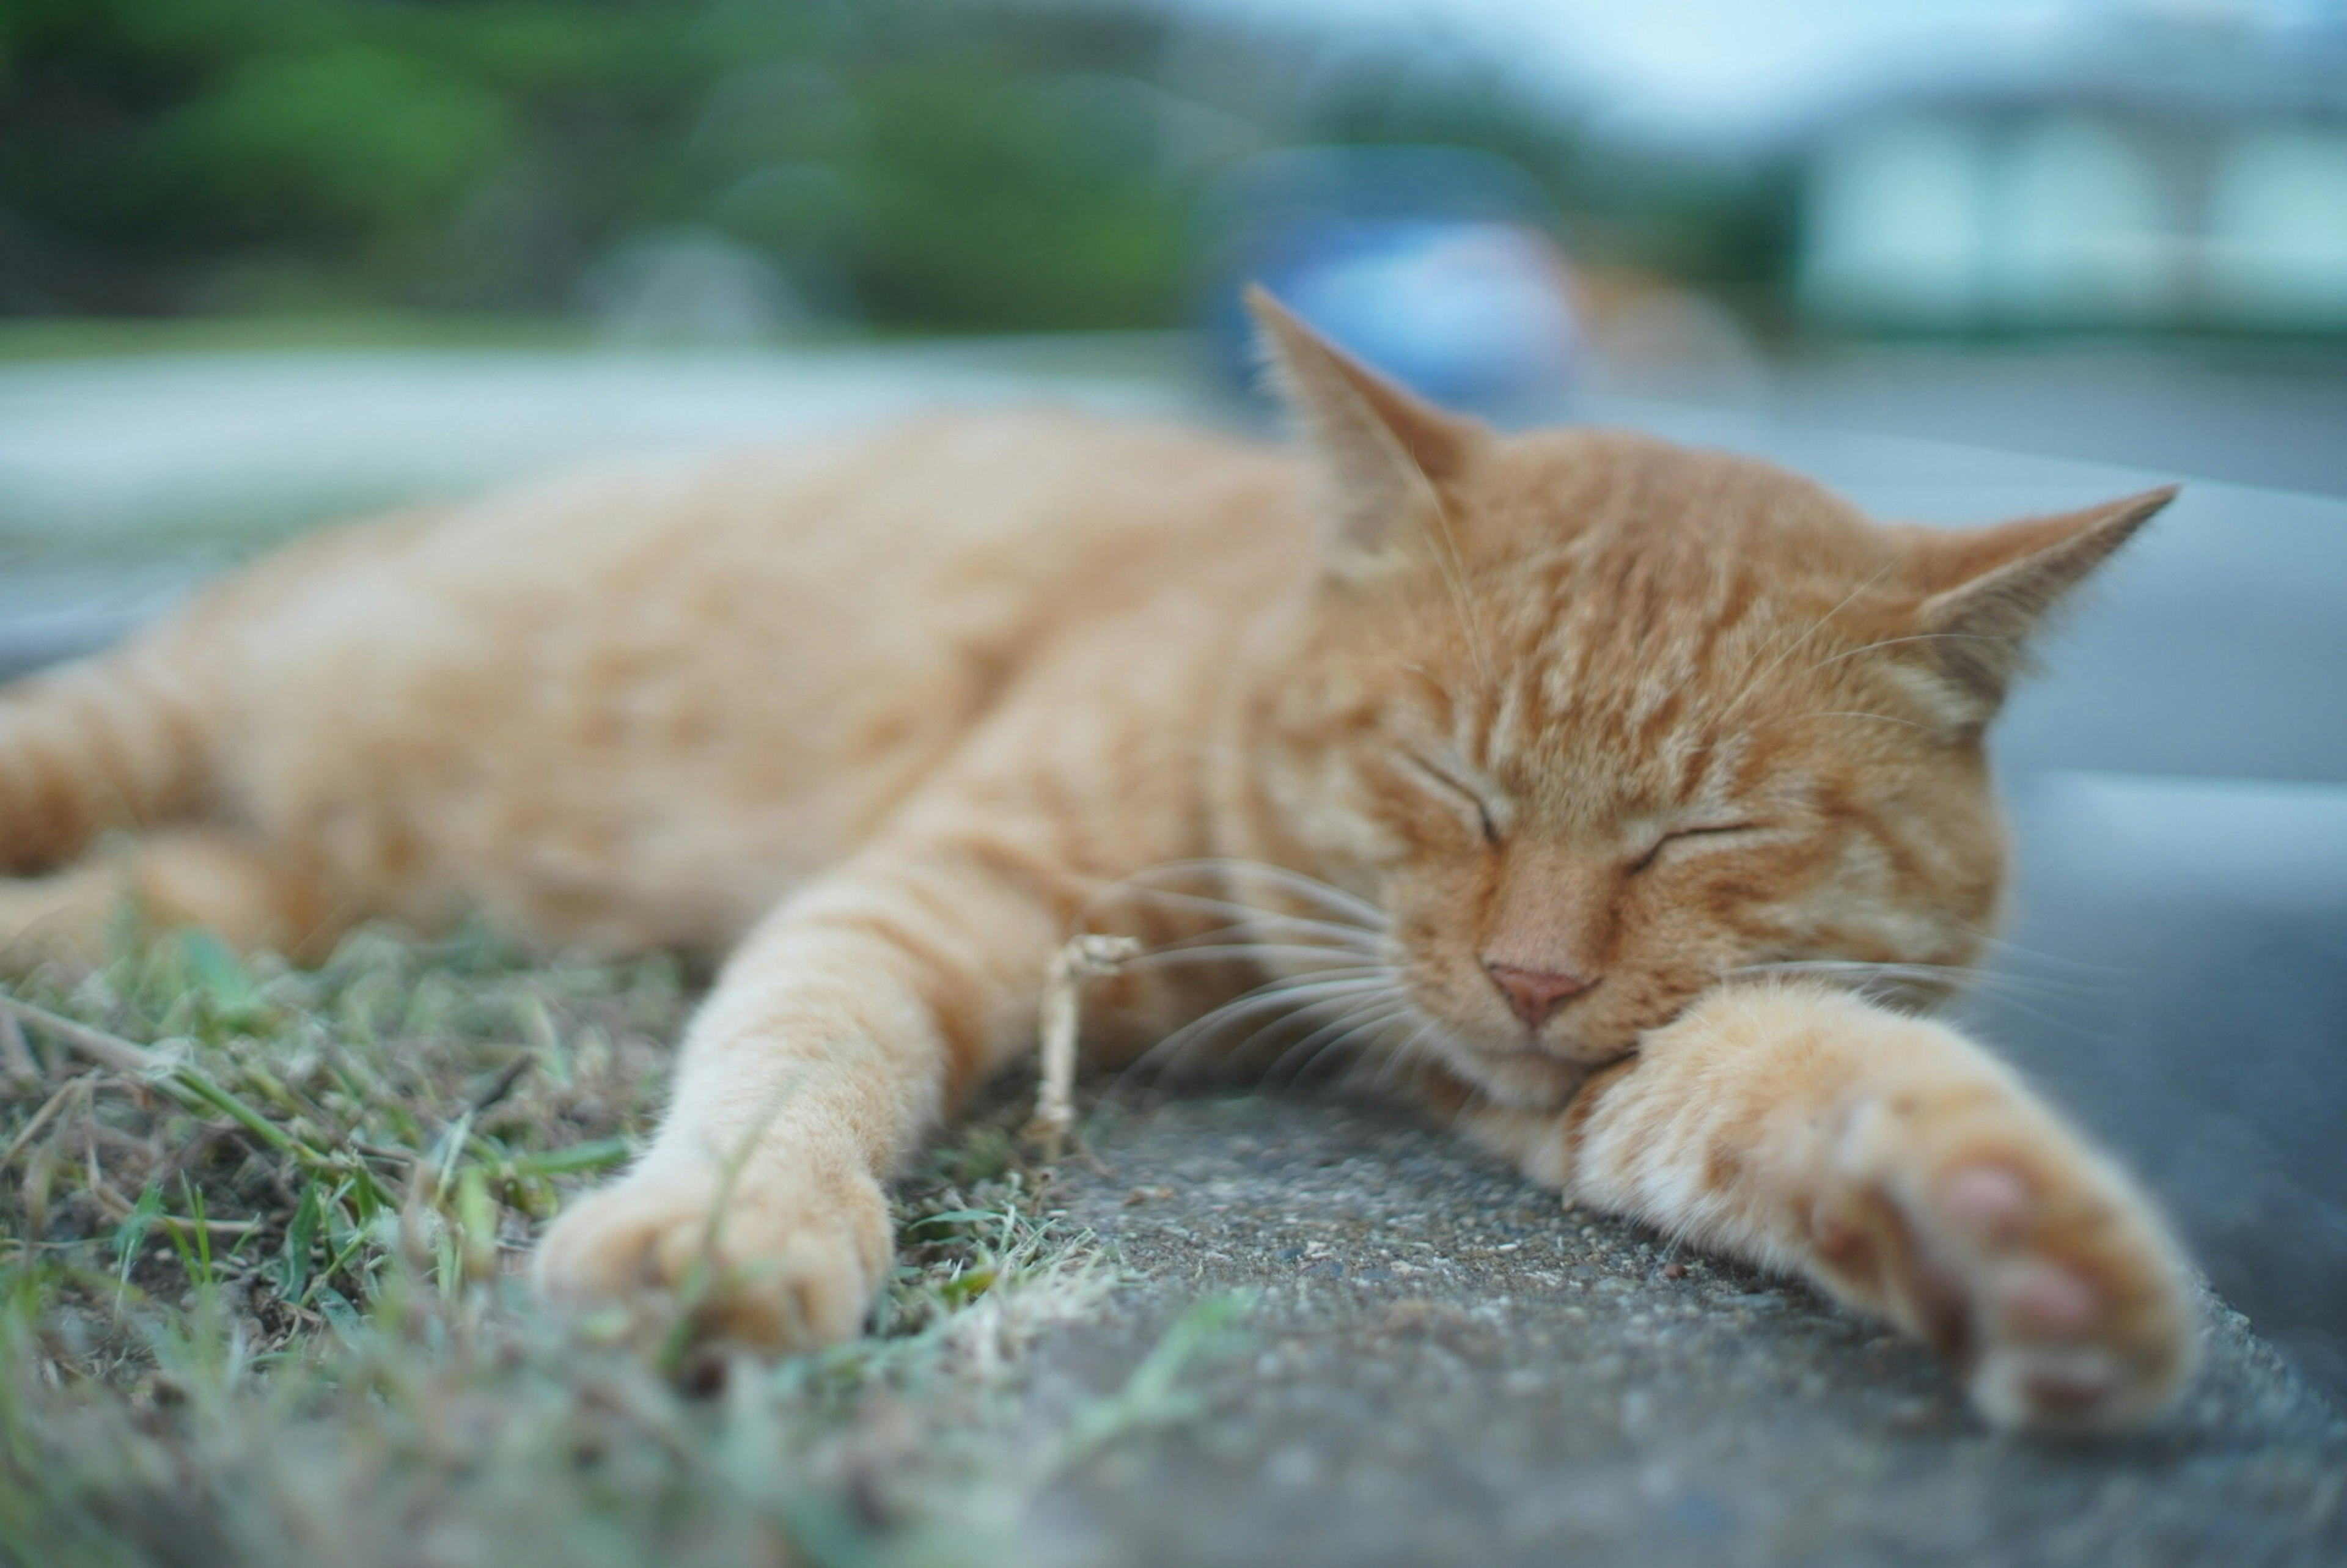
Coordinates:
(1535, 993)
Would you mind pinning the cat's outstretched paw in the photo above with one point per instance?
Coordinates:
(786, 1263)
(2027, 1261)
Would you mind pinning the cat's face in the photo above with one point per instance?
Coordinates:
(1600, 722)
(1627, 737)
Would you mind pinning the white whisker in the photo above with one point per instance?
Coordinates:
(1345, 1007)
(1248, 917)
(1246, 932)
(1312, 887)
(2040, 956)
(1752, 686)
(2015, 990)
(1335, 1034)
(1232, 952)
(1895, 641)
(1290, 997)
(1886, 718)
(1454, 577)
(1402, 1058)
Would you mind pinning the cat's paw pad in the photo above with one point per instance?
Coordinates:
(2080, 1317)
(2050, 1285)
(786, 1264)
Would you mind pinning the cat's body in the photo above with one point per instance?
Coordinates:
(1552, 751)
(631, 707)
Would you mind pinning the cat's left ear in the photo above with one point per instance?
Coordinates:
(1988, 589)
(1385, 452)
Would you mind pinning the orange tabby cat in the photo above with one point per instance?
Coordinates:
(1580, 780)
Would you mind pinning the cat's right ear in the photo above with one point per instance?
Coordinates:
(1385, 452)
(1989, 588)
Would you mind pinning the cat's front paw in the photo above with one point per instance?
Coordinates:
(2042, 1276)
(772, 1260)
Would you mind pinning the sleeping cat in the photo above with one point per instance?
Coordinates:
(1582, 785)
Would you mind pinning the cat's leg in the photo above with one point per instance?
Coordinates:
(838, 1035)
(1905, 1169)
(250, 897)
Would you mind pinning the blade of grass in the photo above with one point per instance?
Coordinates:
(40, 1119)
(192, 1088)
(598, 1156)
(131, 1234)
(196, 1254)
(301, 1238)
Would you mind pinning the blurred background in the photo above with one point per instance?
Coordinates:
(263, 262)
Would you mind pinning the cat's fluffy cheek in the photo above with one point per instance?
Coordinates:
(791, 1262)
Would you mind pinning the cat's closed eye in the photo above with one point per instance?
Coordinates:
(1455, 792)
(1710, 831)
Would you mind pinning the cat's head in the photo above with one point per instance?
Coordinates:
(1600, 722)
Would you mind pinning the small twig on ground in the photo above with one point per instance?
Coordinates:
(16, 1063)
(1080, 960)
(110, 1201)
(504, 1082)
(108, 1050)
(217, 1227)
(40, 1120)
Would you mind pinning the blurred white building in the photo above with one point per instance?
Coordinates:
(2180, 176)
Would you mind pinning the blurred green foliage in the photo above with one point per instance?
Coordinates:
(959, 164)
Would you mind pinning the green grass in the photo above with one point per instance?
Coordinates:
(32, 340)
(98, 337)
(261, 1298)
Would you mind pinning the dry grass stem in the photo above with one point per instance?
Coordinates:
(1081, 959)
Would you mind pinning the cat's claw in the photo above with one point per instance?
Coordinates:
(773, 1265)
(2035, 1270)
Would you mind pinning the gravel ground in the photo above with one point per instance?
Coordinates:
(1442, 1367)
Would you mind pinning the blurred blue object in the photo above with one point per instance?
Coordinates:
(1437, 265)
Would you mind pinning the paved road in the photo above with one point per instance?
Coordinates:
(2179, 976)
(1443, 1367)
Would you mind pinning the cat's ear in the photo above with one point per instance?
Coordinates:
(1385, 452)
(1989, 588)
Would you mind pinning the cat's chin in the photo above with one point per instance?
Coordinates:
(1522, 1080)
